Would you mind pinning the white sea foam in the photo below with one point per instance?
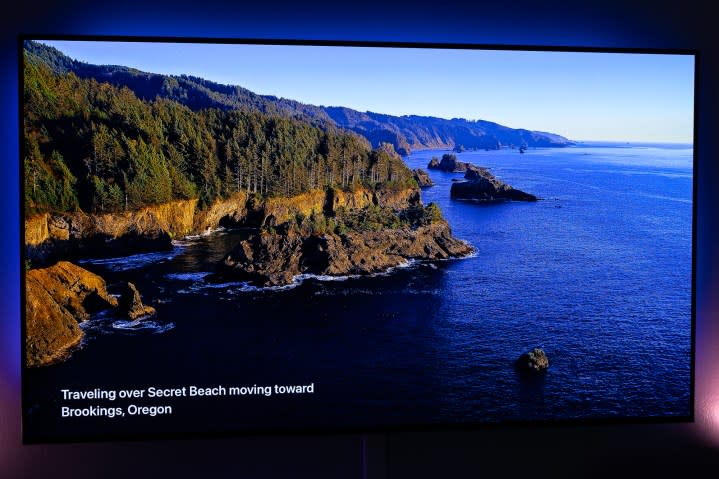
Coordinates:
(141, 324)
(206, 233)
(211, 231)
(199, 283)
(323, 277)
(135, 261)
(195, 276)
(105, 322)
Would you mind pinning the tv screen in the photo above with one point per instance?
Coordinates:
(254, 237)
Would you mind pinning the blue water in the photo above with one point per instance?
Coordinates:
(598, 273)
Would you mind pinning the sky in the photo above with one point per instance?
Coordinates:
(583, 96)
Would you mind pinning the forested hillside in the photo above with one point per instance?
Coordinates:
(405, 133)
(97, 147)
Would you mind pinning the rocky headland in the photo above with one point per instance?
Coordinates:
(358, 237)
(58, 299)
(324, 232)
(274, 258)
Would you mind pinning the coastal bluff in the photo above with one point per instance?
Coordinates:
(60, 297)
(355, 233)
(51, 237)
(274, 259)
(56, 300)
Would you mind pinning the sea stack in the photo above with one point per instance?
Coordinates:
(483, 186)
(422, 178)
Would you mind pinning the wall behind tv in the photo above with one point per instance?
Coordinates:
(661, 449)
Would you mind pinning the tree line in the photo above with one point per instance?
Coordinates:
(98, 148)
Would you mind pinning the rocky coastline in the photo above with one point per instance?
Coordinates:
(58, 299)
(360, 232)
(52, 237)
(271, 258)
(324, 232)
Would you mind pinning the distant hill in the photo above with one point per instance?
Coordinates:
(405, 133)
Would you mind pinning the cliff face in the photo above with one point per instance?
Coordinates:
(232, 211)
(50, 237)
(36, 230)
(56, 299)
(276, 211)
(175, 217)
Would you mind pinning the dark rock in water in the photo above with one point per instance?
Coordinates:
(422, 177)
(449, 163)
(484, 186)
(131, 303)
(534, 361)
(475, 173)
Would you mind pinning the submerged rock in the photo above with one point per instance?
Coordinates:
(56, 300)
(484, 186)
(131, 303)
(534, 361)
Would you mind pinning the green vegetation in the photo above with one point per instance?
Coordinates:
(431, 214)
(403, 132)
(372, 218)
(95, 147)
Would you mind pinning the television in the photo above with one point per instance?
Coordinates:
(271, 236)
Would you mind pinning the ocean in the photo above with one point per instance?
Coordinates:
(597, 273)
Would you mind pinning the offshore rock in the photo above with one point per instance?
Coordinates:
(448, 163)
(484, 186)
(534, 361)
(422, 177)
(56, 299)
(130, 304)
